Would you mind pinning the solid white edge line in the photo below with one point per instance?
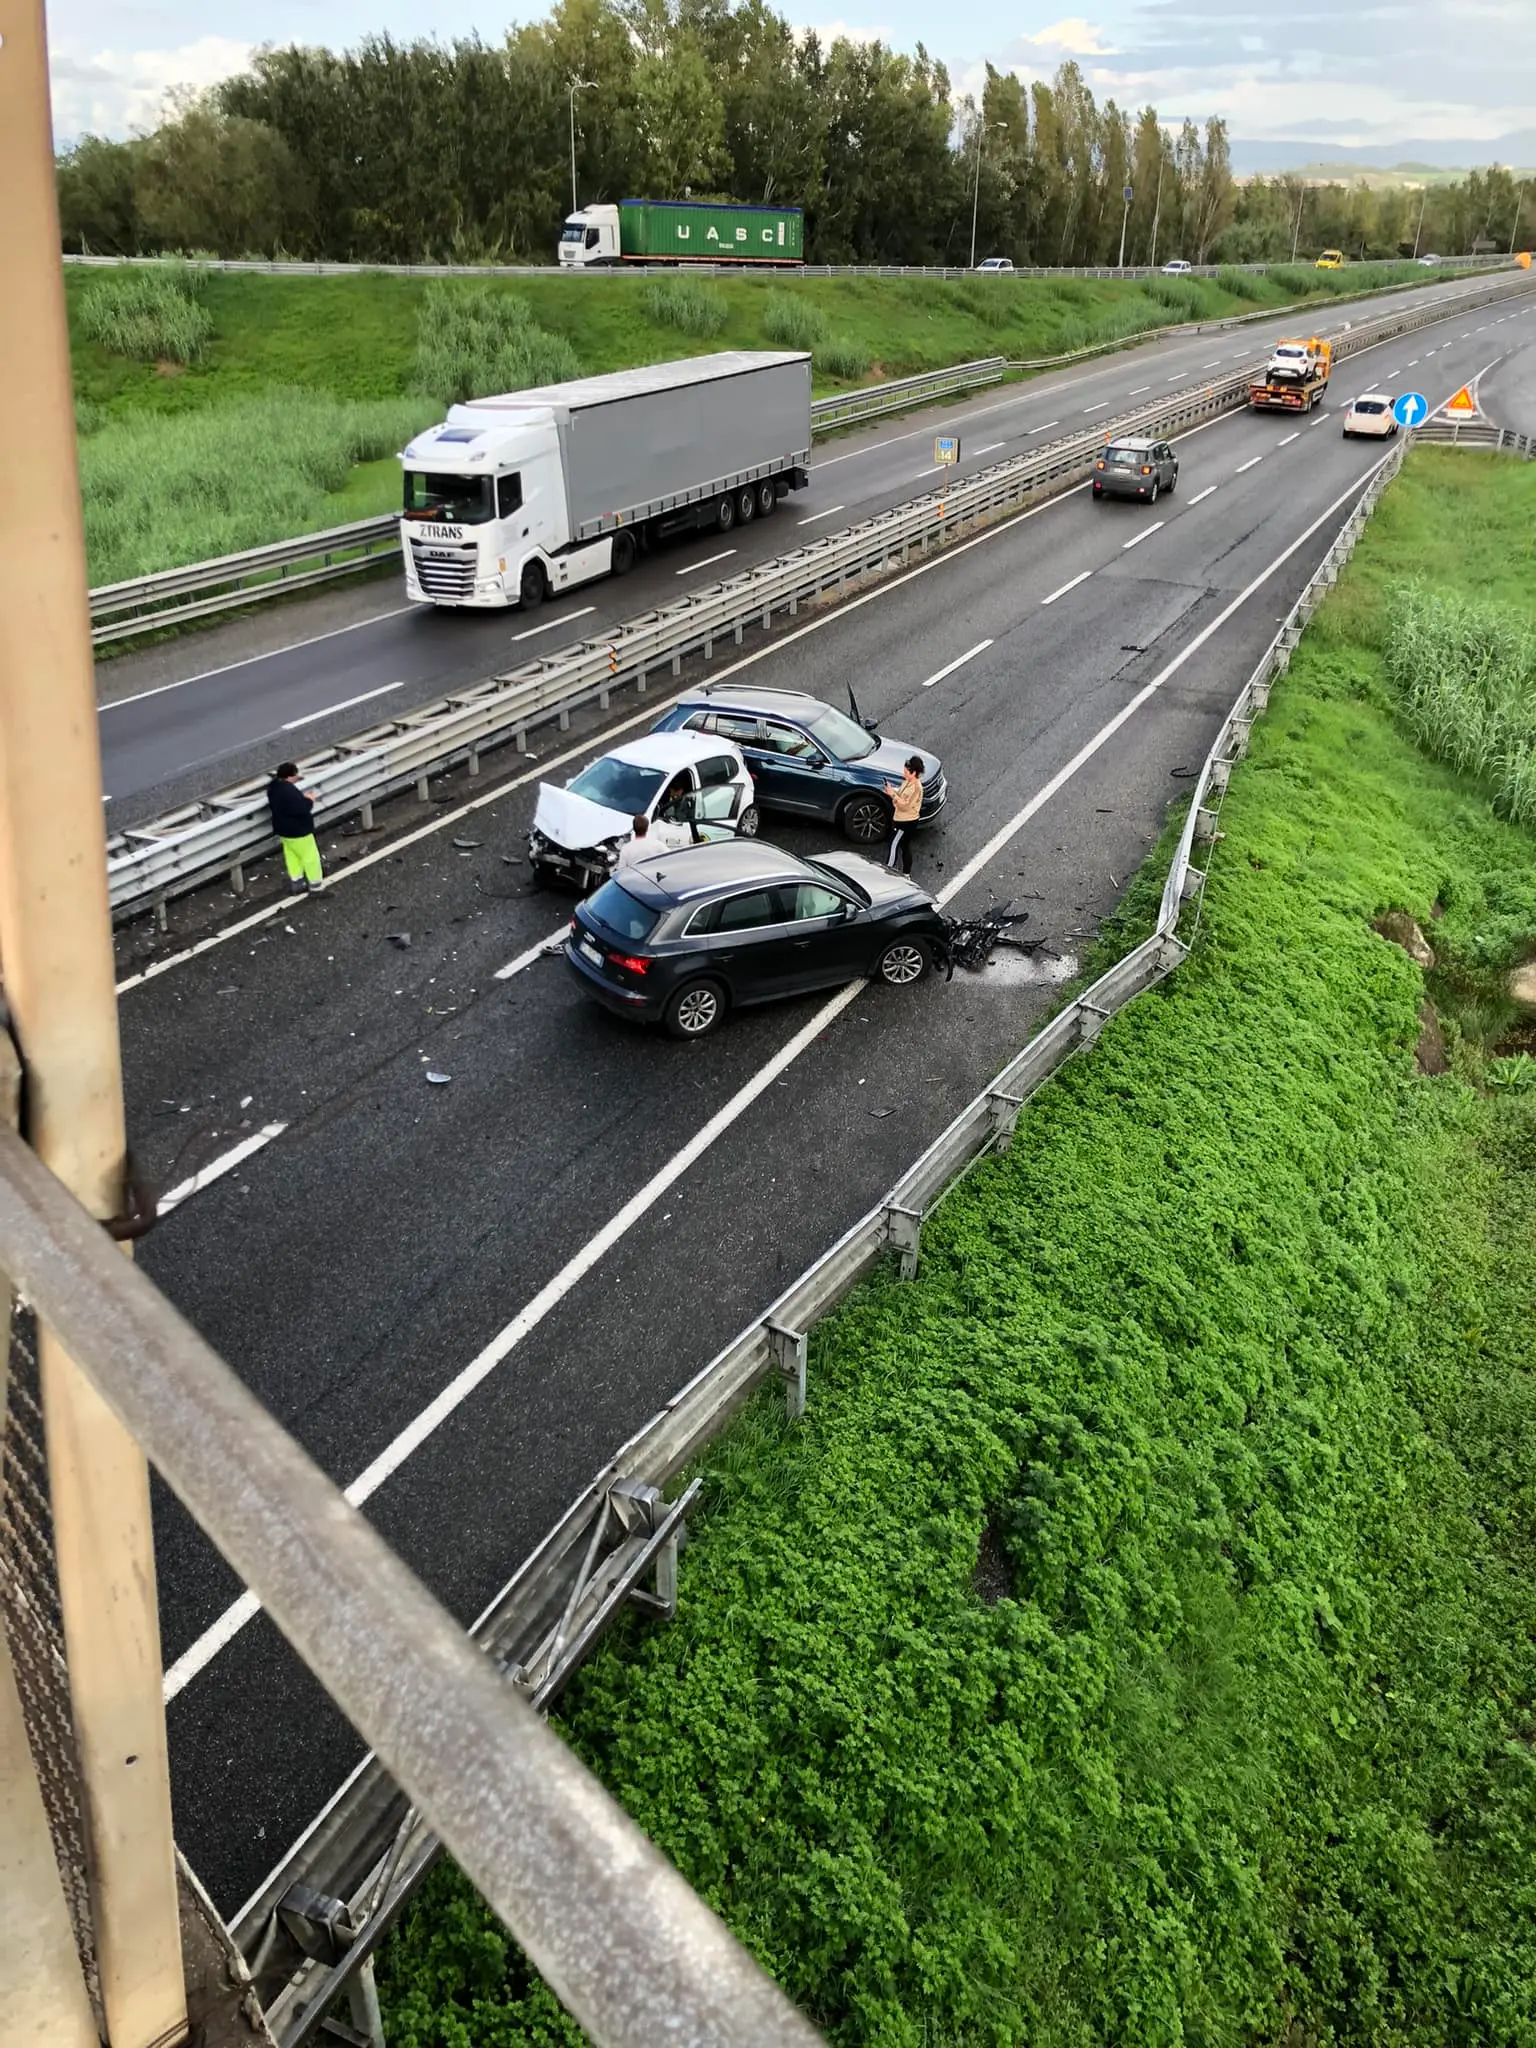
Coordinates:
(550, 625)
(1015, 824)
(533, 953)
(688, 568)
(811, 521)
(1081, 578)
(217, 1168)
(1136, 539)
(959, 662)
(292, 647)
(200, 1653)
(1199, 495)
(346, 704)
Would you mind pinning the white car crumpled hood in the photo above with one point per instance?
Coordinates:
(575, 822)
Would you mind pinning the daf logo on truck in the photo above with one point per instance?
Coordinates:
(546, 489)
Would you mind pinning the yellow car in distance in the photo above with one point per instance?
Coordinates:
(1331, 259)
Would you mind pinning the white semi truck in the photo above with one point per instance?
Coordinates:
(512, 498)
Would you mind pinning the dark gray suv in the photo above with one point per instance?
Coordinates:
(1135, 468)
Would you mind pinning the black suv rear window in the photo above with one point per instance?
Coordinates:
(617, 911)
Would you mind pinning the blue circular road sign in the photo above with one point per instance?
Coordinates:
(1410, 408)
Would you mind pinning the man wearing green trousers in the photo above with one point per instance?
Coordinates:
(293, 820)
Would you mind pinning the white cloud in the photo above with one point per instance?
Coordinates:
(110, 92)
(829, 32)
(1073, 37)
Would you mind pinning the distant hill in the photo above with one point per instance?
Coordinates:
(1409, 158)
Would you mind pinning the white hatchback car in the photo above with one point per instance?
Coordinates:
(995, 264)
(676, 780)
(1371, 413)
(1176, 266)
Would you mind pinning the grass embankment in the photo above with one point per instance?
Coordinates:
(353, 365)
(1136, 1643)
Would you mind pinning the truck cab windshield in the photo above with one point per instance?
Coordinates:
(459, 500)
(572, 231)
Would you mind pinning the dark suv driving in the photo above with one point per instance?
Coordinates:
(1134, 468)
(681, 938)
(809, 760)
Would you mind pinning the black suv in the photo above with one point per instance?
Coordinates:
(680, 938)
(808, 759)
(1134, 468)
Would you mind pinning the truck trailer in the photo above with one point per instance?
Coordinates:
(666, 231)
(536, 491)
(1295, 377)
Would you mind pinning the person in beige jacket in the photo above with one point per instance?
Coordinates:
(906, 803)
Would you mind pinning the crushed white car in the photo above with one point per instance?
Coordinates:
(679, 782)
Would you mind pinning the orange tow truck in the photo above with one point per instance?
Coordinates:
(1295, 377)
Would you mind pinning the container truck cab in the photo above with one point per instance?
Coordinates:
(513, 498)
(590, 237)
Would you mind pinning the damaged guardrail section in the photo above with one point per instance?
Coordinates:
(368, 1851)
(198, 843)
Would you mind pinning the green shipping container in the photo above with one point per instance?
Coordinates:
(694, 231)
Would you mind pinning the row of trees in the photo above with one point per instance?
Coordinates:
(397, 152)
(412, 152)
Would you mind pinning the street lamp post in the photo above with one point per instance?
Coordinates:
(1296, 236)
(1419, 230)
(1515, 227)
(1157, 204)
(1125, 216)
(577, 85)
(981, 136)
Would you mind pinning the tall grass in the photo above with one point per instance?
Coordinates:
(793, 321)
(1464, 672)
(688, 304)
(473, 341)
(841, 356)
(149, 316)
(161, 491)
(1241, 284)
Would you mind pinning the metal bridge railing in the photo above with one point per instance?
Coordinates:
(629, 1948)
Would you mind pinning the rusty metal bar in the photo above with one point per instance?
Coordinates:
(618, 1935)
(56, 952)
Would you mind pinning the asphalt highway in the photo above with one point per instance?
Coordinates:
(461, 1296)
(208, 709)
(1507, 392)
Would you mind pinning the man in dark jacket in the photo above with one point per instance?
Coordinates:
(293, 820)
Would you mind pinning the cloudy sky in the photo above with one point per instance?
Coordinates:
(1375, 76)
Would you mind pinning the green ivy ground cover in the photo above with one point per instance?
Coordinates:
(1136, 1643)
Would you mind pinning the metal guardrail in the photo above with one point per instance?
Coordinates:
(370, 1848)
(278, 266)
(197, 843)
(1477, 434)
(199, 590)
(147, 603)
